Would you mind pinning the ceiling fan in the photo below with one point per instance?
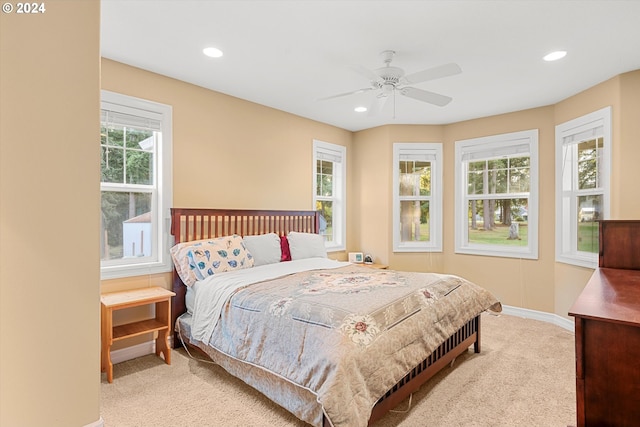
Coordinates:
(389, 80)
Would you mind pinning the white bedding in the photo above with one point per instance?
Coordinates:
(213, 292)
(190, 296)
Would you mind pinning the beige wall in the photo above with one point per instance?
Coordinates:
(626, 204)
(49, 213)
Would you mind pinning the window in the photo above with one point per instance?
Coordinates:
(135, 185)
(329, 197)
(417, 197)
(497, 195)
(583, 156)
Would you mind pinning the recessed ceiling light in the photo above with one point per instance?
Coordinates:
(212, 52)
(554, 56)
(360, 109)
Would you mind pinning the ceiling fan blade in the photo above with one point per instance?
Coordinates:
(377, 104)
(367, 73)
(366, 89)
(426, 96)
(433, 73)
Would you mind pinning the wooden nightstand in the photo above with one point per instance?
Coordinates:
(113, 301)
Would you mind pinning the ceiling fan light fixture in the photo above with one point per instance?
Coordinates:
(212, 52)
(388, 80)
(554, 56)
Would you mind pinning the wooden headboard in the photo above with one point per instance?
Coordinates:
(188, 224)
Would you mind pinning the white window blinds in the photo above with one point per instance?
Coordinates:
(117, 118)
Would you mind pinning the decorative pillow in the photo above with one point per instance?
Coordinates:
(181, 262)
(265, 248)
(219, 255)
(199, 259)
(306, 245)
(284, 248)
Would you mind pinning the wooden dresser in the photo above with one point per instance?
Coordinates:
(607, 331)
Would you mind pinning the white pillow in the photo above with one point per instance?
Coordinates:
(265, 248)
(306, 245)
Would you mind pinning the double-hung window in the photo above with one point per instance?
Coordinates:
(135, 185)
(583, 163)
(497, 195)
(417, 197)
(329, 197)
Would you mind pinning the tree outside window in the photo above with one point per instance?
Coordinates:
(417, 197)
(127, 163)
(324, 195)
(135, 186)
(415, 189)
(329, 196)
(590, 194)
(583, 162)
(496, 195)
(494, 218)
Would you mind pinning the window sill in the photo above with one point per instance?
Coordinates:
(117, 272)
(523, 254)
(578, 261)
(415, 249)
(336, 249)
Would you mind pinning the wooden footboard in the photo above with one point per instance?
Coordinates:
(454, 346)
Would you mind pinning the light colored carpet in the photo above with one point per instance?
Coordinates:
(524, 376)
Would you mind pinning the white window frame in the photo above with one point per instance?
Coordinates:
(160, 261)
(338, 153)
(432, 152)
(590, 126)
(492, 146)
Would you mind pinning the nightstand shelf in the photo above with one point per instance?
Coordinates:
(137, 328)
(161, 324)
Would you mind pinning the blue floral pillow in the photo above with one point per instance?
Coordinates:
(209, 257)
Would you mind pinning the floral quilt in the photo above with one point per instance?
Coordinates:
(347, 335)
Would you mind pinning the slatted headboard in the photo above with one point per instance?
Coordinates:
(188, 224)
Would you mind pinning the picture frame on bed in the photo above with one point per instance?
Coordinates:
(356, 257)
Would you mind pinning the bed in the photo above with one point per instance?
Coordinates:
(336, 344)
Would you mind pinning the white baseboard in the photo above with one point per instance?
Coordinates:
(128, 353)
(539, 315)
(99, 423)
(138, 350)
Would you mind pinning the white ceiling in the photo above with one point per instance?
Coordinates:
(286, 54)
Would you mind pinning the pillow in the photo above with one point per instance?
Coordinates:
(219, 255)
(200, 259)
(306, 245)
(284, 248)
(181, 262)
(265, 248)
